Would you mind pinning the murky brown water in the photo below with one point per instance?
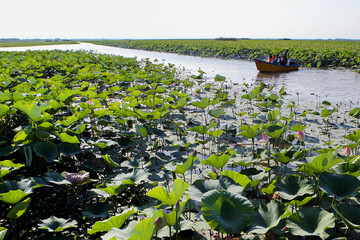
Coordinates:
(312, 84)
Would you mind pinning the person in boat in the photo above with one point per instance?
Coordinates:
(271, 58)
(284, 58)
(277, 59)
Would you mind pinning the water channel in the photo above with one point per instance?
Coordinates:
(336, 86)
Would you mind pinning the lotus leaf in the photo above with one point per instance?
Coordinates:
(217, 161)
(227, 212)
(144, 230)
(310, 221)
(8, 166)
(267, 217)
(181, 169)
(293, 186)
(47, 150)
(19, 209)
(114, 222)
(171, 198)
(54, 224)
(239, 178)
(349, 214)
(339, 186)
(201, 187)
(323, 162)
(97, 210)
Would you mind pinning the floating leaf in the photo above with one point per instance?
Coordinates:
(97, 210)
(339, 185)
(54, 224)
(47, 150)
(292, 186)
(171, 198)
(19, 209)
(113, 222)
(323, 162)
(349, 214)
(310, 221)
(217, 161)
(226, 212)
(267, 217)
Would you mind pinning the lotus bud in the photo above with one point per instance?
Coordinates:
(158, 223)
(347, 151)
(301, 136)
(177, 206)
(264, 139)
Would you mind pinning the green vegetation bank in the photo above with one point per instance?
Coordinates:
(310, 53)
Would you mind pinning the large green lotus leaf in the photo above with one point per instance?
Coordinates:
(120, 234)
(19, 209)
(293, 186)
(113, 222)
(26, 185)
(200, 187)
(239, 178)
(4, 109)
(8, 166)
(54, 224)
(104, 143)
(249, 132)
(202, 129)
(267, 217)
(171, 198)
(2, 233)
(97, 210)
(64, 137)
(204, 103)
(216, 113)
(30, 109)
(110, 161)
(217, 161)
(144, 230)
(13, 196)
(68, 148)
(113, 189)
(136, 176)
(141, 130)
(227, 212)
(349, 214)
(323, 162)
(47, 150)
(56, 178)
(182, 168)
(339, 185)
(310, 221)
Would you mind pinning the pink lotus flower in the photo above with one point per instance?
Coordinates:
(301, 136)
(264, 140)
(76, 179)
(347, 151)
(90, 102)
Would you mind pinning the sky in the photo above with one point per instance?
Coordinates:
(173, 19)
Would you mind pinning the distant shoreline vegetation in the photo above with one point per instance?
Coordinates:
(13, 42)
(309, 53)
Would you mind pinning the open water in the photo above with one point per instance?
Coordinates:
(312, 85)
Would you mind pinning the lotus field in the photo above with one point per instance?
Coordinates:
(105, 147)
(309, 53)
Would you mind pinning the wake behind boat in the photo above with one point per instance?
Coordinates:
(264, 66)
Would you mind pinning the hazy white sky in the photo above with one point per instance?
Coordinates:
(180, 19)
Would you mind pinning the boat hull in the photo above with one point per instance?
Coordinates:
(264, 66)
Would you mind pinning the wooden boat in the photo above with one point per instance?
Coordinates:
(264, 66)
